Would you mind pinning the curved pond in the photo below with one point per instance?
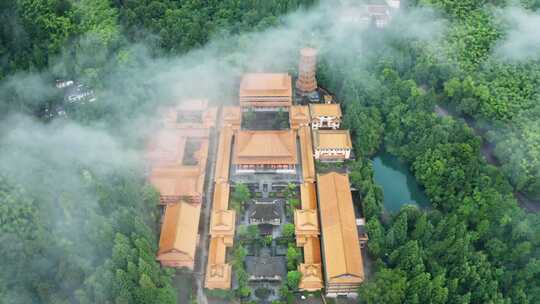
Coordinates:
(399, 185)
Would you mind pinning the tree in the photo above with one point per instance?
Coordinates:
(388, 286)
(239, 197)
(293, 257)
(288, 230)
(293, 279)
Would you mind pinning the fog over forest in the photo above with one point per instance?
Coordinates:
(79, 222)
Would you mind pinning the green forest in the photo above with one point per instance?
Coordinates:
(78, 220)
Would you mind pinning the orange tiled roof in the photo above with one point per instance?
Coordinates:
(306, 150)
(312, 278)
(306, 222)
(221, 196)
(231, 116)
(331, 139)
(265, 147)
(299, 116)
(166, 147)
(177, 181)
(222, 223)
(343, 260)
(321, 109)
(266, 84)
(308, 195)
(218, 273)
(178, 239)
(223, 155)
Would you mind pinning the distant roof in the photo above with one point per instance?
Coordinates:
(264, 211)
(180, 228)
(325, 109)
(308, 52)
(265, 147)
(343, 260)
(265, 84)
(331, 139)
(177, 181)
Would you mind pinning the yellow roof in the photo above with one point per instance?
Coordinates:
(224, 155)
(312, 278)
(306, 222)
(232, 116)
(332, 139)
(222, 223)
(299, 115)
(179, 181)
(265, 147)
(221, 196)
(343, 260)
(308, 195)
(218, 273)
(306, 150)
(180, 228)
(322, 109)
(265, 84)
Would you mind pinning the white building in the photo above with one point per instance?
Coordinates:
(332, 145)
(325, 116)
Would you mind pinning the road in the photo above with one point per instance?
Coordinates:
(206, 209)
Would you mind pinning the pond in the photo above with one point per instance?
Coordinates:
(399, 185)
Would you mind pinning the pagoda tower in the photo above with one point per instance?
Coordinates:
(306, 82)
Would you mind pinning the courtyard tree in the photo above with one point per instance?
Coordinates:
(253, 232)
(288, 231)
(294, 256)
(239, 197)
(293, 279)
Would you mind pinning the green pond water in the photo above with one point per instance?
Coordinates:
(399, 185)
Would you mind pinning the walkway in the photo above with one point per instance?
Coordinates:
(207, 208)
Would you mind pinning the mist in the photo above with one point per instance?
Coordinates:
(521, 40)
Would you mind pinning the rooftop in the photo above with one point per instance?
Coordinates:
(343, 260)
(265, 147)
(265, 211)
(325, 109)
(265, 84)
(179, 229)
(332, 139)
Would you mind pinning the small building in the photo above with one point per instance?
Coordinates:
(299, 116)
(265, 212)
(325, 116)
(306, 224)
(332, 145)
(265, 151)
(179, 235)
(342, 258)
(266, 91)
(218, 272)
(362, 231)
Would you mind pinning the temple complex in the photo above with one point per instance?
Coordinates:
(177, 156)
